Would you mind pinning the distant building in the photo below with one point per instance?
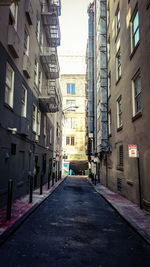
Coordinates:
(128, 81)
(73, 93)
(30, 93)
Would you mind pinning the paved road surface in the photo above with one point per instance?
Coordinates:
(75, 227)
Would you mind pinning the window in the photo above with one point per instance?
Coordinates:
(121, 155)
(40, 80)
(50, 136)
(24, 102)
(9, 85)
(36, 72)
(44, 125)
(38, 122)
(34, 116)
(119, 112)
(71, 88)
(109, 84)
(13, 149)
(109, 122)
(117, 20)
(70, 123)
(37, 30)
(137, 106)
(14, 14)
(108, 49)
(118, 65)
(71, 104)
(26, 43)
(70, 140)
(135, 30)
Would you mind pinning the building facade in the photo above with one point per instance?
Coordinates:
(30, 93)
(122, 168)
(74, 102)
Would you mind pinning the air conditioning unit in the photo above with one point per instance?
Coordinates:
(24, 126)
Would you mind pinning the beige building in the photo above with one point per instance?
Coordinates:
(73, 93)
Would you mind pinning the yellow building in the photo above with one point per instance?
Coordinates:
(73, 93)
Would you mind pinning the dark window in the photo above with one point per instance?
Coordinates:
(121, 155)
(13, 149)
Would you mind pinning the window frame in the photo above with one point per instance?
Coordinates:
(9, 99)
(133, 33)
(71, 89)
(135, 112)
(34, 118)
(118, 24)
(119, 113)
(118, 65)
(24, 102)
(26, 42)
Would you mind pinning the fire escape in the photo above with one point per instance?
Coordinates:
(49, 99)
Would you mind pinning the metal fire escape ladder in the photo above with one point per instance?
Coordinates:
(103, 77)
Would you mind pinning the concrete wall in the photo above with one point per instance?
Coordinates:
(135, 129)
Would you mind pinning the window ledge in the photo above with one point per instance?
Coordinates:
(120, 168)
(118, 80)
(137, 115)
(120, 128)
(134, 50)
(130, 182)
(9, 107)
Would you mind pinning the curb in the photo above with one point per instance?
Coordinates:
(133, 225)
(20, 221)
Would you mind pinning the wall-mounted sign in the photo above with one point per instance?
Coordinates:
(133, 152)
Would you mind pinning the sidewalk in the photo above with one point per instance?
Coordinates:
(21, 209)
(139, 219)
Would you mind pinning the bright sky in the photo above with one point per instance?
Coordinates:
(74, 32)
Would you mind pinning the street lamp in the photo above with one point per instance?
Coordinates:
(70, 108)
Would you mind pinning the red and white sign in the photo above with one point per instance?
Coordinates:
(133, 152)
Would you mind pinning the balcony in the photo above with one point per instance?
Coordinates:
(49, 98)
(13, 41)
(52, 6)
(26, 66)
(49, 60)
(51, 25)
(24, 126)
(29, 11)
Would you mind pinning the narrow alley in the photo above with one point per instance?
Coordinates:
(75, 226)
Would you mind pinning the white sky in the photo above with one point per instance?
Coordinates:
(74, 32)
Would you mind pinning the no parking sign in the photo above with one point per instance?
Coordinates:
(133, 152)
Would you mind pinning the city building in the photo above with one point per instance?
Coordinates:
(123, 165)
(73, 109)
(30, 94)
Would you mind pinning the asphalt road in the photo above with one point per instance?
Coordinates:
(75, 226)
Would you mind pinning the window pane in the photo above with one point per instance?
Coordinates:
(137, 85)
(136, 37)
(68, 88)
(135, 22)
(138, 103)
(73, 89)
